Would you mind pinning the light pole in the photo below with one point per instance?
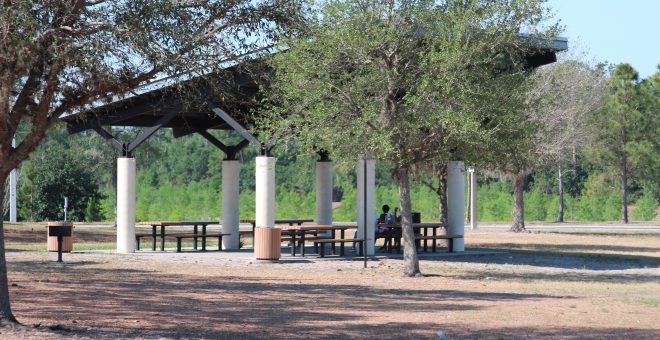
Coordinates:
(473, 197)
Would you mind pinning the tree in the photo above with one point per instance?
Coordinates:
(515, 155)
(620, 127)
(646, 152)
(60, 57)
(568, 93)
(440, 189)
(396, 80)
(552, 127)
(56, 173)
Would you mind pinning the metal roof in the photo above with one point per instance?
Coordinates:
(236, 93)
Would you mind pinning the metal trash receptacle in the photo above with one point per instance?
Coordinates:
(64, 229)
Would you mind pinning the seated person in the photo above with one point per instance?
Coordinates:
(384, 218)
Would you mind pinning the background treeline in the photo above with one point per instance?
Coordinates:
(599, 139)
(181, 179)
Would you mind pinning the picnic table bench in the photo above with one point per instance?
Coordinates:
(302, 230)
(179, 237)
(320, 245)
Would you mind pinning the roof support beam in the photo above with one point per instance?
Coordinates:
(240, 146)
(150, 131)
(117, 116)
(181, 132)
(230, 151)
(121, 147)
(234, 124)
(218, 144)
(127, 148)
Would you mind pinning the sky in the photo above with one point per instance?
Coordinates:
(616, 31)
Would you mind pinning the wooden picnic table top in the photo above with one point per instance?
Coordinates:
(284, 220)
(316, 227)
(415, 225)
(176, 223)
(293, 220)
(289, 221)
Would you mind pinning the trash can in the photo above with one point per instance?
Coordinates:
(416, 217)
(55, 228)
(267, 243)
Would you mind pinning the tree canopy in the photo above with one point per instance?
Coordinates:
(627, 130)
(60, 57)
(406, 81)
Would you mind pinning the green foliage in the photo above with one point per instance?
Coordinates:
(53, 174)
(601, 200)
(348, 209)
(375, 77)
(247, 204)
(494, 201)
(646, 152)
(626, 131)
(109, 203)
(545, 178)
(169, 201)
(164, 194)
(292, 204)
(646, 209)
(93, 210)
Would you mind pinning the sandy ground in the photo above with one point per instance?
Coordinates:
(567, 284)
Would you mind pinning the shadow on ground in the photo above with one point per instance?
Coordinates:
(121, 303)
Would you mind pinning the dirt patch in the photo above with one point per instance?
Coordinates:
(552, 285)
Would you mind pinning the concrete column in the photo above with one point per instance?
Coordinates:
(370, 177)
(324, 192)
(125, 205)
(12, 191)
(456, 202)
(265, 192)
(266, 237)
(473, 199)
(230, 203)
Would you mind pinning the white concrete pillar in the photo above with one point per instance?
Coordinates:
(125, 205)
(370, 177)
(12, 191)
(324, 192)
(265, 192)
(230, 203)
(473, 199)
(267, 238)
(456, 202)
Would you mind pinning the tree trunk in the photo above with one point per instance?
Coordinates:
(518, 213)
(560, 180)
(410, 259)
(574, 158)
(442, 194)
(6, 316)
(624, 189)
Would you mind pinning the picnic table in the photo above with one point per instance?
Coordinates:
(417, 226)
(163, 224)
(289, 221)
(302, 230)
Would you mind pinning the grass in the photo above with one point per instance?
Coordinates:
(650, 301)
